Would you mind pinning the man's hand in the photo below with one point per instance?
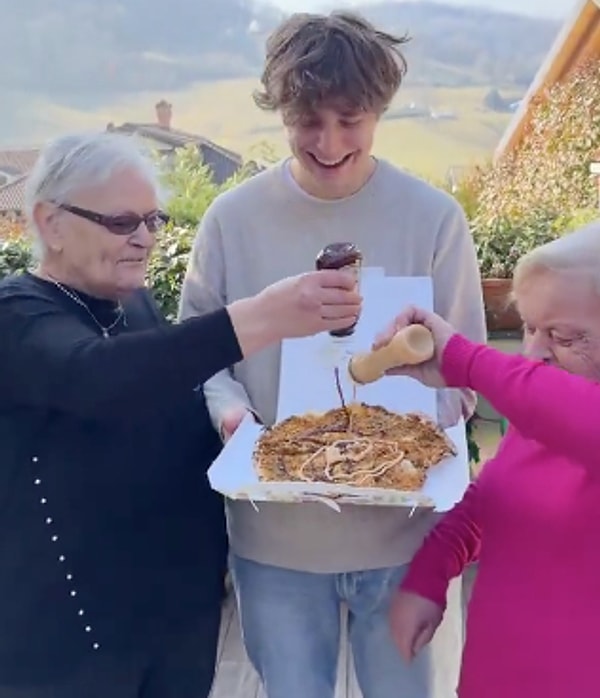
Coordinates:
(231, 421)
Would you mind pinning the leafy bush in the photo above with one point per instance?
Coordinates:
(15, 248)
(543, 189)
(167, 266)
(190, 190)
(189, 186)
(502, 242)
(549, 171)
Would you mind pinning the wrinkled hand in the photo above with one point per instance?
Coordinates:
(310, 303)
(428, 372)
(414, 621)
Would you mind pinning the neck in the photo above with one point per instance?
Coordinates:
(57, 276)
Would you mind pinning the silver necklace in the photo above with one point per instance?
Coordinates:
(105, 330)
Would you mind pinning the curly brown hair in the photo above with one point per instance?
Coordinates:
(313, 60)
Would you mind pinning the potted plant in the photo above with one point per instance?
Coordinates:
(501, 242)
(495, 247)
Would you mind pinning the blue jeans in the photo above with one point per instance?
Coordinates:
(291, 628)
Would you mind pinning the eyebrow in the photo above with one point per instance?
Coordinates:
(568, 330)
(134, 213)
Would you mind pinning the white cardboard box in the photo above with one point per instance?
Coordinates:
(307, 384)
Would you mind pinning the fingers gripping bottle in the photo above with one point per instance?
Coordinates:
(341, 255)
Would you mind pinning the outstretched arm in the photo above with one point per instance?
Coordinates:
(542, 402)
(50, 359)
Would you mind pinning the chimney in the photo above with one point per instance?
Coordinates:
(164, 114)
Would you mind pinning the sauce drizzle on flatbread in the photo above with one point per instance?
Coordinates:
(359, 445)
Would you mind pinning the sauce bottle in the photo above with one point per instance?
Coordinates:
(341, 255)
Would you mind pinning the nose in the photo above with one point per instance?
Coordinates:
(142, 237)
(328, 140)
(537, 346)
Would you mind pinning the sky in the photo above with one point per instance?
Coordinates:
(556, 9)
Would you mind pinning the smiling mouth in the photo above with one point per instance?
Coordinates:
(334, 165)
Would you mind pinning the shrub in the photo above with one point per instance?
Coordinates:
(190, 191)
(15, 248)
(500, 243)
(549, 171)
(167, 266)
(544, 188)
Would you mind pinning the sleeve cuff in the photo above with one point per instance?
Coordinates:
(456, 361)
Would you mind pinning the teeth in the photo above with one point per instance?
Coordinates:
(332, 163)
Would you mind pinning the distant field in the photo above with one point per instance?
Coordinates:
(224, 112)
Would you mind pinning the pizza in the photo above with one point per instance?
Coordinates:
(359, 445)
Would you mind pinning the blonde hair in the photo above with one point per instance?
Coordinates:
(576, 253)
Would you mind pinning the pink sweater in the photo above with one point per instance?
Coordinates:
(532, 520)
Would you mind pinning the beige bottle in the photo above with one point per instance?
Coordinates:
(411, 345)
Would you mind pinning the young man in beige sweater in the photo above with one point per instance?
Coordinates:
(331, 78)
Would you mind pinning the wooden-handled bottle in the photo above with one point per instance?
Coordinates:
(411, 345)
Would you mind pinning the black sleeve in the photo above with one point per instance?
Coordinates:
(50, 359)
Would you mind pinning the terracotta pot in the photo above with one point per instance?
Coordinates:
(500, 311)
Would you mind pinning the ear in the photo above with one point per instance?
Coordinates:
(45, 217)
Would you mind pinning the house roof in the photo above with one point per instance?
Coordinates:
(12, 195)
(223, 162)
(18, 161)
(577, 42)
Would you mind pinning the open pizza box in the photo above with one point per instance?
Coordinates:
(307, 385)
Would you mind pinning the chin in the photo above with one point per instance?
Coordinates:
(131, 283)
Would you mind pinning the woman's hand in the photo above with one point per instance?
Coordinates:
(314, 302)
(413, 621)
(429, 372)
(298, 306)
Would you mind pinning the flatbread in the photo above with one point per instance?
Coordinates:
(359, 445)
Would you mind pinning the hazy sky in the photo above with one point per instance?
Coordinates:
(545, 8)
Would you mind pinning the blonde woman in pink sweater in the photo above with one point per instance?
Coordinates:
(532, 519)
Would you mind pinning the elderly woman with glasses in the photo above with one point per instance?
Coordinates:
(532, 518)
(112, 544)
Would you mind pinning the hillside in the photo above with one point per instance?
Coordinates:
(458, 46)
(75, 66)
(87, 51)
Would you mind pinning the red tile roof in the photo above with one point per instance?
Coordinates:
(12, 195)
(18, 161)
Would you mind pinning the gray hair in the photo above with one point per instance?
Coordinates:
(71, 163)
(577, 252)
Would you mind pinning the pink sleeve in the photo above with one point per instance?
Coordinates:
(447, 550)
(542, 402)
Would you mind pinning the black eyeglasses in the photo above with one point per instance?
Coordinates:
(121, 224)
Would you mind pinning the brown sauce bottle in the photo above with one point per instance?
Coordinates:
(341, 255)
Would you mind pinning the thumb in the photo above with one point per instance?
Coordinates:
(231, 421)
(423, 638)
